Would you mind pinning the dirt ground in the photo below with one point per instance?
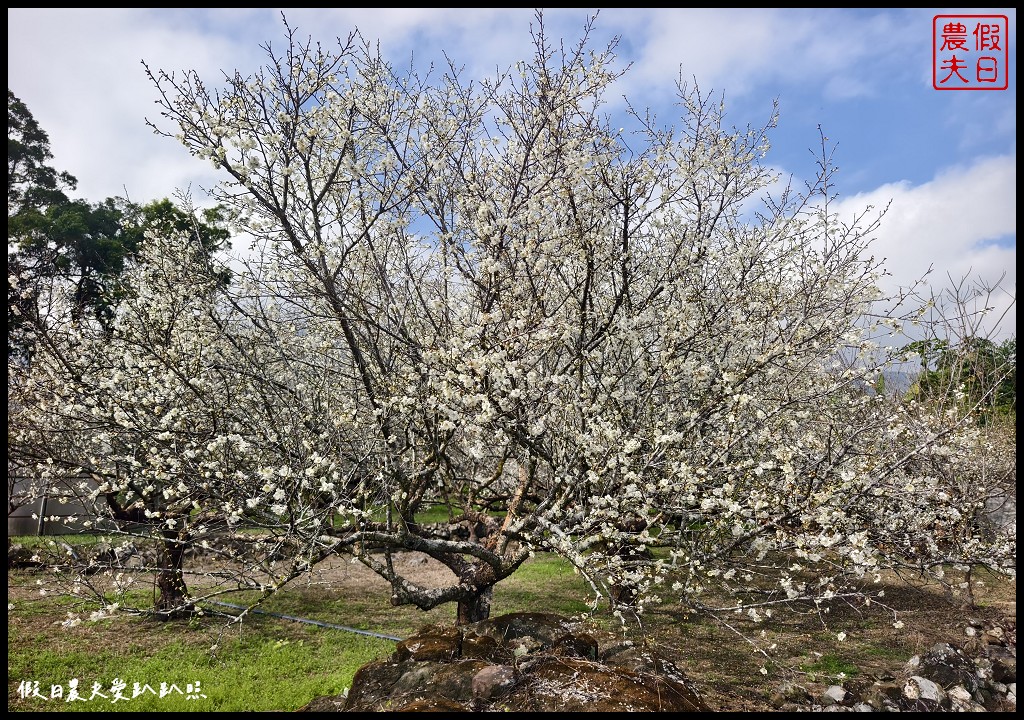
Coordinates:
(722, 656)
(727, 669)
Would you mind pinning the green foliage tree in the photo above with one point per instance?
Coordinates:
(31, 181)
(976, 372)
(67, 261)
(73, 242)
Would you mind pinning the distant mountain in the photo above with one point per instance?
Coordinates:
(899, 381)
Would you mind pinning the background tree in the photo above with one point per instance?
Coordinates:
(963, 369)
(31, 181)
(53, 238)
(483, 296)
(66, 268)
(32, 186)
(981, 372)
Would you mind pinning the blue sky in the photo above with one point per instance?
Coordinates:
(946, 159)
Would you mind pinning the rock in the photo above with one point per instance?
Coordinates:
(431, 705)
(544, 628)
(18, 556)
(431, 643)
(534, 662)
(576, 645)
(122, 553)
(793, 707)
(884, 695)
(576, 685)
(324, 704)
(787, 693)
(614, 645)
(393, 685)
(493, 681)
(479, 646)
(529, 662)
(947, 666)
(833, 695)
(992, 637)
(960, 700)
(1004, 664)
(925, 694)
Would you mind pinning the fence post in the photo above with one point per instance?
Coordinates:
(42, 516)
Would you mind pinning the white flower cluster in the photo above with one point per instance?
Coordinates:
(483, 296)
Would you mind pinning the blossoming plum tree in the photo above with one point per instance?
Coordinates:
(614, 346)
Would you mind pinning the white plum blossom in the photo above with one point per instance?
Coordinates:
(617, 346)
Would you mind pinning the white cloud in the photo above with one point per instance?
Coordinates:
(962, 224)
(79, 73)
(739, 49)
(96, 122)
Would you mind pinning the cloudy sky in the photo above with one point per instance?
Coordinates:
(945, 159)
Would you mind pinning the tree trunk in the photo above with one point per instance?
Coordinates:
(623, 593)
(476, 607)
(170, 581)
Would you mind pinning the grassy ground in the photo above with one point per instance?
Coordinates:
(274, 664)
(265, 663)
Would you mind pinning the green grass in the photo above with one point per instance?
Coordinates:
(888, 652)
(430, 514)
(267, 665)
(54, 541)
(275, 664)
(359, 611)
(435, 514)
(545, 583)
(830, 666)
